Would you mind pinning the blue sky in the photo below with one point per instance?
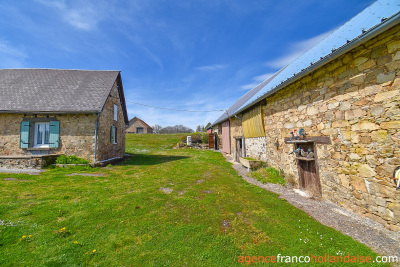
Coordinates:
(179, 54)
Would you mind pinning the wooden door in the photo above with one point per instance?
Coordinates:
(216, 141)
(308, 172)
(226, 138)
(210, 140)
(239, 148)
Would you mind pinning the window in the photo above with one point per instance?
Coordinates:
(113, 135)
(42, 134)
(139, 130)
(115, 112)
(39, 133)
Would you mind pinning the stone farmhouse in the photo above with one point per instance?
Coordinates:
(344, 94)
(47, 112)
(138, 126)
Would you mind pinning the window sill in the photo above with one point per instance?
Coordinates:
(38, 148)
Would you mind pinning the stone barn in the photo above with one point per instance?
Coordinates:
(344, 95)
(138, 126)
(47, 112)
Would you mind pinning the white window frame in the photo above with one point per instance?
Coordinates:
(114, 135)
(115, 112)
(36, 133)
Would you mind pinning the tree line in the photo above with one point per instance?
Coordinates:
(158, 129)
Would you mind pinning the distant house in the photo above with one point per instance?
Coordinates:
(138, 126)
(46, 112)
(345, 94)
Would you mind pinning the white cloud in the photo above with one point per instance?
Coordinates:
(11, 56)
(257, 80)
(85, 16)
(249, 86)
(140, 43)
(296, 50)
(165, 118)
(7, 49)
(263, 77)
(211, 67)
(81, 19)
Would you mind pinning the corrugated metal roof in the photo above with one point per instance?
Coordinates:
(54, 90)
(355, 29)
(241, 101)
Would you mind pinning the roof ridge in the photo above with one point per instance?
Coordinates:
(59, 69)
(137, 119)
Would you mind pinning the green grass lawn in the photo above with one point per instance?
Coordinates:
(206, 215)
(268, 175)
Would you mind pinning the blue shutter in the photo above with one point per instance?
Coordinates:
(54, 134)
(24, 134)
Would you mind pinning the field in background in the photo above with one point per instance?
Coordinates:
(181, 207)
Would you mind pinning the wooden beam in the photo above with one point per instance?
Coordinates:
(316, 139)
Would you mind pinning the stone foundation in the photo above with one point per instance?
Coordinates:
(26, 162)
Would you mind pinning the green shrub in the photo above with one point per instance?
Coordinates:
(62, 159)
(269, 175)
(197, 138)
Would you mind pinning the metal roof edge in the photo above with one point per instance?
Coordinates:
(223, 119)
(371, 33)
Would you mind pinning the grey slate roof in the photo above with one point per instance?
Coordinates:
(370, 22)
(54, 90)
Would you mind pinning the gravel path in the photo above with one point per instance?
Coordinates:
(27, 171)
(364, 230)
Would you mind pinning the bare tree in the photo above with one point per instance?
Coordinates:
(157, 128)
(176, 129)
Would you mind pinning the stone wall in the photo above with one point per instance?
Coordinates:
(217, 129)
(105, 149)
(76, 135)
(355, 100)
(236, 132)
(257, 148)
(26, 162)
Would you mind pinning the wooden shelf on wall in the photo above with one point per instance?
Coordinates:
(298, 141)
(310, 139)
(306, 159)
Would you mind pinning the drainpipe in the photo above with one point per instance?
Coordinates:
(243, 140)
(95, 137)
